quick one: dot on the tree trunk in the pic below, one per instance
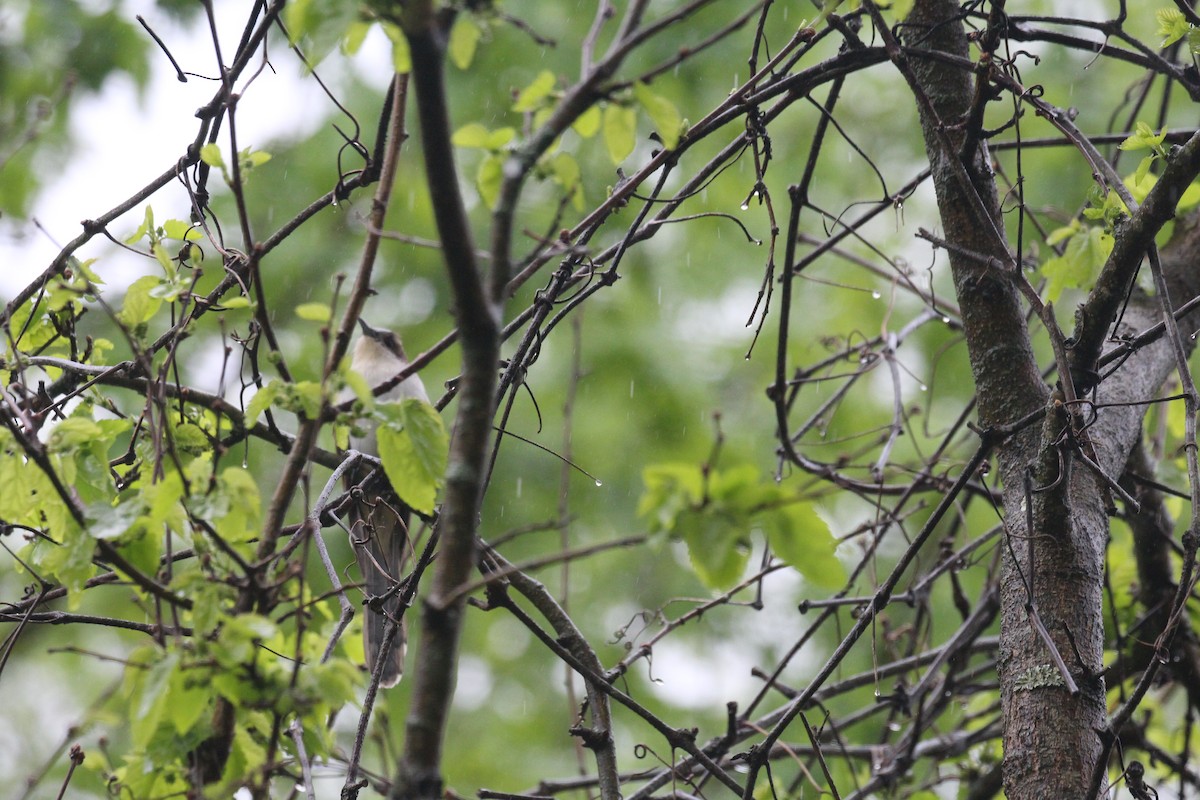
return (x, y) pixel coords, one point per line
(1053, 574)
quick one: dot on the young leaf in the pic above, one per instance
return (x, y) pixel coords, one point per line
(620, 131)
(472, 134)
(211, 154)
(1144, 138)
(313, 312)
(182, 230)
(489, 178)
(531, 96)
(401, 56)
(1079, 264)
(261, 401)
(670, 489)
(413, 448)
(802, 540)
(354, 37)
(1172, 25)
(716, 546)
(587, 124)
(147, 225)
(566, 175)
(662, 112)
(464, 38)
(140, 305)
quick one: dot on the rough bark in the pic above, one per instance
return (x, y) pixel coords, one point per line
(1053, 572)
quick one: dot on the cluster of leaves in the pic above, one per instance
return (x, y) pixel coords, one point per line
(1085, 247)
(714, 512)
(1174, 26)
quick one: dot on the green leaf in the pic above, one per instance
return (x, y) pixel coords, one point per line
(163, 257)
(533, 95)
(261, 401)
(669, 490)
(314, 312)
(354, 37)
(244, 505)
(250, 159)
(1079, 264)
(1172, 25)
(73, 433)
(662, 113)
(151, 699)
(68, 562)
(1144, 138)
(318, 26)
(303, 397)
(717, 547)
(211, 154)
(620, 131)
(900, 8)
(246, 757)
(241, 301)
(182, 230)
(587, 124)
(139, 305)
(1063, 233)
(464, 38)
(489, 179)
(401, 55)
(803, 541)
(190, 702)
(499, 137)
(413, 448)
(147, 225)
(1190, 197)
(190, 439)
(566, 175)
(473, 134)
(1143, 169)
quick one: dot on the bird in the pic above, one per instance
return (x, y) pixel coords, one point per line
(378, 519)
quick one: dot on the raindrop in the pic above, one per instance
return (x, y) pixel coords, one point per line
(598, 482)
(924, 388)
(746, 206)
(893, 726)
(875, 295)
(946, 320)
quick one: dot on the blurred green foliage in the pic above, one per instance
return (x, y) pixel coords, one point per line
(667, 367)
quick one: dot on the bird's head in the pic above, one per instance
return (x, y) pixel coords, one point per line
(374, 338)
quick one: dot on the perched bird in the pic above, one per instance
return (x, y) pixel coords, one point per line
(378, 520)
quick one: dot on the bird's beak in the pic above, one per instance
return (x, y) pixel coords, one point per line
(374, 333)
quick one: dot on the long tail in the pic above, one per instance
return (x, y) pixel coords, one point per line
(380, 540)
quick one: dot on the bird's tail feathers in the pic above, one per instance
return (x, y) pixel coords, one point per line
(381, 549)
